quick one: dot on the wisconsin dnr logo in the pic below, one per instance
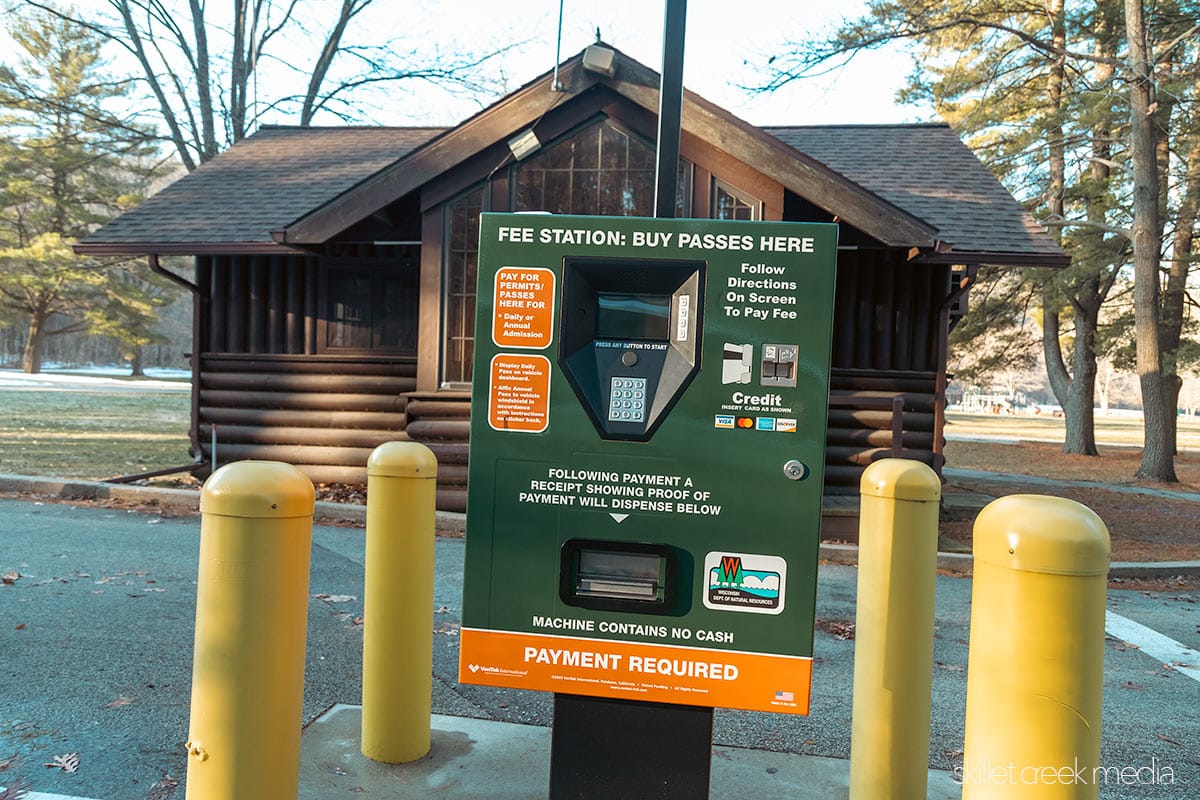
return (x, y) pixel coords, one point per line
(742, 582)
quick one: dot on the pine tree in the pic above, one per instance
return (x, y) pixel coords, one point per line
(1087, 108)
(68, 162)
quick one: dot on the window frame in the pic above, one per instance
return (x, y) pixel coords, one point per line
(483, 189)
(687, 168)
(378, 271)
(720, 185)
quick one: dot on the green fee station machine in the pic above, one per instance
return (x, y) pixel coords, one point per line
(647, 449)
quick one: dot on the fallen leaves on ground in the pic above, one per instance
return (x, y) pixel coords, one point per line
(16, 791)
(162, 789)
(67, 762)
(334, 598)
(837, 629)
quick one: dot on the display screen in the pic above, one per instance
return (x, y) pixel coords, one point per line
(624, 315)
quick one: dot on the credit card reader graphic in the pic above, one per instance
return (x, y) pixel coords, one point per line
(647, 441)
(630, 339)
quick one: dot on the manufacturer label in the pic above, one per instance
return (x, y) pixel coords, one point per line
(742, 582)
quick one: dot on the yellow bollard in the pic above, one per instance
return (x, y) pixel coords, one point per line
(251, 613)
(398, 602)
(893, 636)
(1035, 674)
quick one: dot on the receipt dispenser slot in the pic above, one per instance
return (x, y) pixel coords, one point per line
(618, 576)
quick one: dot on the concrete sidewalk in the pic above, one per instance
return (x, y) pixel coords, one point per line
(96, 630)
(473, 759)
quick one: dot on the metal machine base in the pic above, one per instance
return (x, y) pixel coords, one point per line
(604, 749)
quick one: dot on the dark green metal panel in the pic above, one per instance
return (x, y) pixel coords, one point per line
(733, 469)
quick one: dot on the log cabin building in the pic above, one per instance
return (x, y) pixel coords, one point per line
(334, 285)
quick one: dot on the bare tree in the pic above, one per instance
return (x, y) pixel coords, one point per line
(202, 72)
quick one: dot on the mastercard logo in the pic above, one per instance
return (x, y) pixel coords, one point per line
(745, 422)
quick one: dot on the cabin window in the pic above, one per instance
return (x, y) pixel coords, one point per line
(371, 308)
(601, 169)
(462, 261)
(731, 203)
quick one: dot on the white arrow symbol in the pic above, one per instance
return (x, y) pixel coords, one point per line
(618, 517)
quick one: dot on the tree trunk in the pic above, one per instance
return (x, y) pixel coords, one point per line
(1182, 246)
(1158, 454)
(1074, 393)
(1104, 387)
(1056, 365)
(31, 357)
(1079, 409)
(136, 369)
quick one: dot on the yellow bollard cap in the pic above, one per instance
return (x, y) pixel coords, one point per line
(901, 479)
(1038, 533)
(266, 489)
(402, 460)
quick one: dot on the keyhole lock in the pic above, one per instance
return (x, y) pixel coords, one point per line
(795, 471)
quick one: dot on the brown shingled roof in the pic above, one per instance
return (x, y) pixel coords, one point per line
(257, 186)
(929, 172)
(917, 184)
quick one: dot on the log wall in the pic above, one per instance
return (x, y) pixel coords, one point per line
(442, 422)
(324, 414)
(888, 341)
(861, 425)
(268, 394)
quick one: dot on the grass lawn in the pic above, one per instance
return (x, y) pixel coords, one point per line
(94, 435)
(1114, 431)
(102, 434)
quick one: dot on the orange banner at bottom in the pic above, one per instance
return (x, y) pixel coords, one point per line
(695, 676)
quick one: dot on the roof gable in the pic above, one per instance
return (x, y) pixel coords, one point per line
(795, 170)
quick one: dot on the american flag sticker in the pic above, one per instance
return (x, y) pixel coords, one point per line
(785, 697)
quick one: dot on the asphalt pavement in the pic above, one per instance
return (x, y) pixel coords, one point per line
(97, 610)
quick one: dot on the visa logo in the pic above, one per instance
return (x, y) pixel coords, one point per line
(723, 421)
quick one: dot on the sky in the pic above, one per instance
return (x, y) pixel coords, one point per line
(724, 39)
(725, 42)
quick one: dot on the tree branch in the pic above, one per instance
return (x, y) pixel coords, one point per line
(1054, 221)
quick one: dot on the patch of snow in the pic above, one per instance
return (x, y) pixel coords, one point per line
(95, 378)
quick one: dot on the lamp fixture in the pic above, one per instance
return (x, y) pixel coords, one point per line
(600, 59)
(524, 144)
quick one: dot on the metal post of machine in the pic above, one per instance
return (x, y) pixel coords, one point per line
(893, 637)
(398, 602)
(600, 746)
(1036, 665)
(251, 611)
(670, 110)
